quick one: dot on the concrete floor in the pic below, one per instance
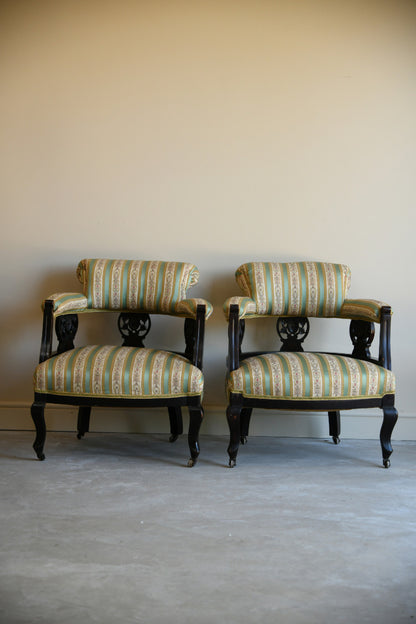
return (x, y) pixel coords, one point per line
(115, 529)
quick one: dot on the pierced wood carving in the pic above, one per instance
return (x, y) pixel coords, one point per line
(362, 335)
(292, 332)
(133, 328)
(65, 328)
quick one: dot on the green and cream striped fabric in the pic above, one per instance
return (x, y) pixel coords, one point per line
(294, 288)
(120, 372)
(65, 303)
(246, 307)
(187, 307)
(306, 376)
(363, 309)
(146, 286)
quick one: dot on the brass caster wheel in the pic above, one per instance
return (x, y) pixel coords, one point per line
(243, 439)
(386, 463)
(232, 463)
(336, 439)
(173, 437)
(191, 463)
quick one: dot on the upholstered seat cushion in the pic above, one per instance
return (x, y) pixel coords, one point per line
(120, 372)
(309, 376)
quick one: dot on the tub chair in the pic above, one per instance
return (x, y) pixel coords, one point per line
(129, 375)
(294, 379)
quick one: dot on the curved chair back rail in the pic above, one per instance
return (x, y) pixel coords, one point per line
(144, 285)
(149, 286)
(295, 288)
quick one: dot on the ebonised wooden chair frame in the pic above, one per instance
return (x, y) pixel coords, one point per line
(292, 332)
(134, 327)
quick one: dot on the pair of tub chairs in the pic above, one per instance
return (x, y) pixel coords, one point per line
(132, 375)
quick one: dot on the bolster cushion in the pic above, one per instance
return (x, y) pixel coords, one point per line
(120, 372)
(295, 288)
(139, 285)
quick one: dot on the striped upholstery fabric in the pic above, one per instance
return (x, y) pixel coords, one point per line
(144, 286)
(65, 303)
(295, 288)
(362, 309)
(188, 307)
(306, 376)
(121, 372)
(246, 306)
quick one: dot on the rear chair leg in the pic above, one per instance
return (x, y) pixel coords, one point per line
(334, 425)
(389, 420)
(196, 414)
(245, 424)
(38, 415)
(83, 424)
(176, 424)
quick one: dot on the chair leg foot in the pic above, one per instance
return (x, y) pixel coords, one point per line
(389, 420)
(38, 417)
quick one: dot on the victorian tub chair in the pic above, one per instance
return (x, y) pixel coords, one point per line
(292, 379)
(129, 375)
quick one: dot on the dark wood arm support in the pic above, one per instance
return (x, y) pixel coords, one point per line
(46, 342)
(385, 348)
(233, 339)
(199, 336)
(194, 336)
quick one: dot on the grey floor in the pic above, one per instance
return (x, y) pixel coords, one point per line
(115, 528)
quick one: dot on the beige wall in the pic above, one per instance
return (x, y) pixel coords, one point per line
(214, 132)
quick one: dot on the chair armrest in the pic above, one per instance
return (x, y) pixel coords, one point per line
(363, 310)
(246, 307)
(68, 303)
(188, 308)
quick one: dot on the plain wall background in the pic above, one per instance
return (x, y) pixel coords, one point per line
(214, 132)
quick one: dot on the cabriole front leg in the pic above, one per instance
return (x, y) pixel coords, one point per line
(196, 415)
(233, 418)
(389, 420)
(38, 415)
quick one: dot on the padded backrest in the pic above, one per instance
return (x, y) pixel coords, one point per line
(140, 285)
(295, 288)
